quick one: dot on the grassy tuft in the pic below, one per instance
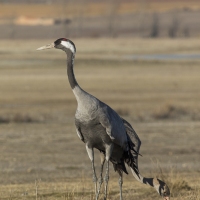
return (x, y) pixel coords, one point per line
(170, 111)
(18, 118)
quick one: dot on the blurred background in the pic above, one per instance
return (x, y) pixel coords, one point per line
(140, 57)
(94, 18)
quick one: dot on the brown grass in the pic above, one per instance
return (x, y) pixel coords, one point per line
(34, 85)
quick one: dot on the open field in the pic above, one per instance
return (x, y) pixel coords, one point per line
(39, 147)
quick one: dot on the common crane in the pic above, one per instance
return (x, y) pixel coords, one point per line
(100, 127)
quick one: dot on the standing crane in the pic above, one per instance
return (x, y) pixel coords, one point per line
(100, 127)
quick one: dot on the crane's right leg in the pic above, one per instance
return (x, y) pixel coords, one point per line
(109, 148)
(91, 156)
(102, 156)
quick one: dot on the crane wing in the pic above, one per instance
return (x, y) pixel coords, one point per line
(132, 136)
(114, 126)
(78, 131)
(134, 147)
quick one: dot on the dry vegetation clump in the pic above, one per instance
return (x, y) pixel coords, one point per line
(177, 184)
(170, 111)
(18, 118)
(3, 120)
(180, 187)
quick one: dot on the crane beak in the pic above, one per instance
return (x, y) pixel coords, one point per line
(48, 46)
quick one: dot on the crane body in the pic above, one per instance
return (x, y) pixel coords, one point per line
(100, 127)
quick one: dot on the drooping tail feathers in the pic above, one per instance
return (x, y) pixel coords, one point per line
(130, 160)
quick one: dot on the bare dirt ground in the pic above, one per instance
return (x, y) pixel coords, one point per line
(41, 155)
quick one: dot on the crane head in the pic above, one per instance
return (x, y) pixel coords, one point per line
(162, 188)
(61, 43)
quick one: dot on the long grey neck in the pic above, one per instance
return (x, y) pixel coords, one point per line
(70, 70)
(79, 93)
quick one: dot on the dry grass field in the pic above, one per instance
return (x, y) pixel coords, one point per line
(41, 155)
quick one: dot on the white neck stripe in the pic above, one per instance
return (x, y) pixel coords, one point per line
(68, 45)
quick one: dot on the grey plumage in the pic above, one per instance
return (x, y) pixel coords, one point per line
(100, 127)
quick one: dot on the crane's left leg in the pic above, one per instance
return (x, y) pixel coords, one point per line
(109, 149)
(91, 156)
(120, 183)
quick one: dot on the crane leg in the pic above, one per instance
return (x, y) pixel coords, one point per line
(101, 174)
(106, 178)
(94, 179)
(120, 183)
(91, 156)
